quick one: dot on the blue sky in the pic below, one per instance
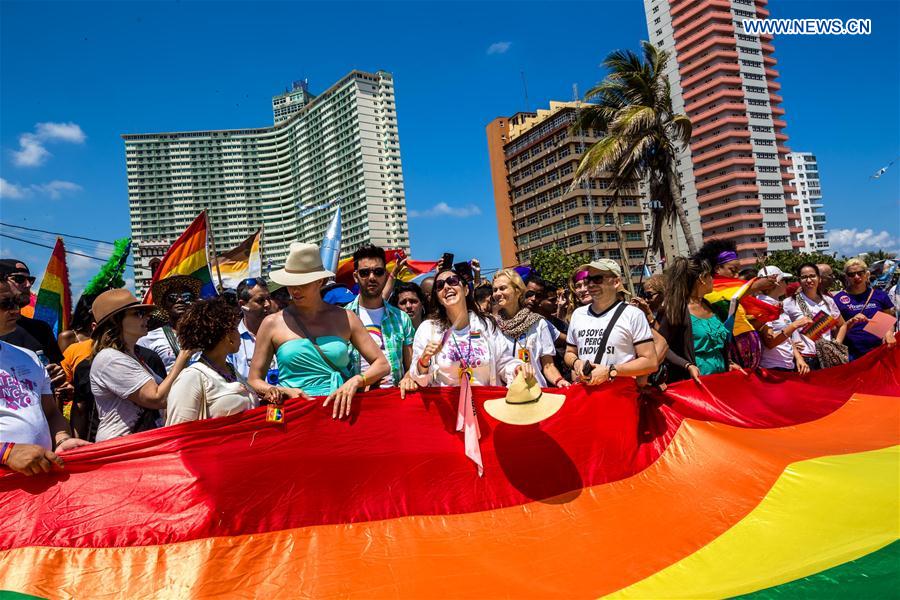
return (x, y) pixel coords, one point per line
(93, 71)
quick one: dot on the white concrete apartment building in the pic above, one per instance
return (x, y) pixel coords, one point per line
(734, 175)
(341, 146)
(809, 195)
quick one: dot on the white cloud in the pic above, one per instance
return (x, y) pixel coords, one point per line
(499, 47)
(11, 190)
(32, 153)
(60, 132)
(442, 209)
(56, 188)
(852, 242)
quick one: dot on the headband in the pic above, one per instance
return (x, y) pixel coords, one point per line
(580, 275)
(726, 257)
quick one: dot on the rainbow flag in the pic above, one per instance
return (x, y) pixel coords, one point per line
(413, 268)
(187, 256)
(732, 304)
(54, 299)
(773, 484)
(240, 263)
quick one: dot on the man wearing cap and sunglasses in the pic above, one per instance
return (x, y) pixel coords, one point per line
(29, 333)
(173, 295)
(608, 337)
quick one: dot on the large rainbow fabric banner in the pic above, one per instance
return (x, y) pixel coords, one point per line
(54, 300)
(730, 301)
(413, 268)
(188, 256)
(764, 484)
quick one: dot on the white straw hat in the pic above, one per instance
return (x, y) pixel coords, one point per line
(303, 265)
(525, 403)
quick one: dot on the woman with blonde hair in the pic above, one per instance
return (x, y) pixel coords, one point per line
(528, 333)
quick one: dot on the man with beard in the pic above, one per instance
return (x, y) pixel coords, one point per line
(389, 327)
(256, 304)
(173, 295)
(30, 334)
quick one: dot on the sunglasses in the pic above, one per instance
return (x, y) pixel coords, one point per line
(855, 274)
(20, 279)
(531, 294)
(185, 297)
(9, 304)
(453, 280)
(651, 295)
(377, 272)
(597, 279)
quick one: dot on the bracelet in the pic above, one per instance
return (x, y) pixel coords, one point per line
(365, 382)
(556, 383)
(424, 364)
(5, 451)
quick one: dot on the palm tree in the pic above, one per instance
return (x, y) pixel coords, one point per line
(642, 134)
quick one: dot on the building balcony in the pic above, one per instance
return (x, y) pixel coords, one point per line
(723, 164)
(724, 222)
(729, 134)
(722, 29)
(735, 189)
(719, 124)
(711, 183)
(719, 8)
(724, 207)
(700, 159)
(720, 81)
(724, 43)
(738, 233)
(751, 246)
(688, 67)
(699, 104)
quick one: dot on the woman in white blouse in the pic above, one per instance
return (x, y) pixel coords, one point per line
(808, 302)
(527, 333)
(458, 339)
(210, 387)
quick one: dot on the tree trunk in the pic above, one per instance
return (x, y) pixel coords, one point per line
(675, 188)
(620, 236)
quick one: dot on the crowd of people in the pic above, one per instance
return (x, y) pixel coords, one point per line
(127, 366)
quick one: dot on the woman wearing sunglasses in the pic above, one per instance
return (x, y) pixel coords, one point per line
(859, 302)
(460, 342)
(528, 333)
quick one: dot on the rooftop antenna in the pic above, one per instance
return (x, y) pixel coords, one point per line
(525, 88)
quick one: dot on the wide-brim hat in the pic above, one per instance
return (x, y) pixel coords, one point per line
(112, 302)
(303, 265)
(525, 403)
(160, 288)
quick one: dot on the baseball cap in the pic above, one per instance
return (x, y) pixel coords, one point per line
(12, 265)
(603, 264)
(773, 271)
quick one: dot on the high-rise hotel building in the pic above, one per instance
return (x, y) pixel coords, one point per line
(808, 194)
(735, 174)
(533, 158)
(339, 147)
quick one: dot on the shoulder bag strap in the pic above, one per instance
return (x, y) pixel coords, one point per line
(804, 308)
(315, 345)
(173, 341)
(866, 303)
(607, 332)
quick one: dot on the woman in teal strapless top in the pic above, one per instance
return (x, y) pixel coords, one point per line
(301, 366)
(304, 369)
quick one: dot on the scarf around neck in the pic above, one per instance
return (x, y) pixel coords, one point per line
(517, 325)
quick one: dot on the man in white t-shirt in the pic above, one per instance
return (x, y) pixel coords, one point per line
(30, 422)
(628, 350)
(389, 327)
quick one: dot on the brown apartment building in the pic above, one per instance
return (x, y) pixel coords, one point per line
(533, 159)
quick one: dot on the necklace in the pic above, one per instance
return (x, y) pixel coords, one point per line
(465, 365)
(230, 377)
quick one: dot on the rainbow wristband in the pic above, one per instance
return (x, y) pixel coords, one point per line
(5, 451)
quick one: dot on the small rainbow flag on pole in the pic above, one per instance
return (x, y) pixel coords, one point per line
(54, 299)
(240, 263)
(187, 256)
(735, 307)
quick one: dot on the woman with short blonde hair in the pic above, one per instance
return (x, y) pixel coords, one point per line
(528, 334)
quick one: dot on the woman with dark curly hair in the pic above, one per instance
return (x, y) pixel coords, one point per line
(210, 387)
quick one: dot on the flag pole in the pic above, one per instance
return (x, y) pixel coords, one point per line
(212, 244)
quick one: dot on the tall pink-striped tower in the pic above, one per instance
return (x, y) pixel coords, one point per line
(735, 174)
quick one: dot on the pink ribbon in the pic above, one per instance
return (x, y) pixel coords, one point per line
(467, 422)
